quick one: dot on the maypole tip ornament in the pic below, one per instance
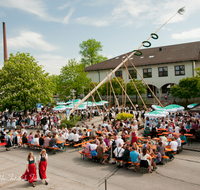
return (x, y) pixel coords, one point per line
(181, 10)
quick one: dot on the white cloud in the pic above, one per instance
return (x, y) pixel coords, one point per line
(64, 6)
(191, 34)
(52, 63)
(137, 12)
(36, 7)
(91, 21)
(66, 19)
(30, 39)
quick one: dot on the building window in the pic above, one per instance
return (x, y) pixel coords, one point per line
(147, 73)
(162, 71)
(118, 74)
(133, 74)
(179, 70)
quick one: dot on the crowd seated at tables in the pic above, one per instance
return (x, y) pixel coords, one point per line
(120, 139)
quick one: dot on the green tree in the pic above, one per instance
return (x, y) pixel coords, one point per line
(72, 76)
(55, 79)
(90, 87)
(131, 88)
(186, 89)
(117, 88)
(24, 83)
(197, 71)
(90, 52)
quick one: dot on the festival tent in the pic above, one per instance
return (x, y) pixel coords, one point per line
(174, 108)
(155, 114)
(156, 107)
(99, 103)
(191, 105)
(75, 101)
(81, 107)
(59, 108)
(70, 106)
(87, 102)
(104, 102)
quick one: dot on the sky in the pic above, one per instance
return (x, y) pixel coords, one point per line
(51, 30)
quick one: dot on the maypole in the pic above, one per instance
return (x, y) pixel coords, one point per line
(135, 52)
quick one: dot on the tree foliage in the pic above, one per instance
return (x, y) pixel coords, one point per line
(74, 77)
(186, 89)
(90, 87)
(24, 83)
(117, 88)
(89, 51)
(140, 86)
(55, 79)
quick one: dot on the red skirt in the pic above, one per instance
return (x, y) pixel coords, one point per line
(42, 169)
(30, 176)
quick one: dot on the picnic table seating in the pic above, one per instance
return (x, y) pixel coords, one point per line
(54, 149)
(165, 159)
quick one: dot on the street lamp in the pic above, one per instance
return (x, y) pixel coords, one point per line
(73, 94)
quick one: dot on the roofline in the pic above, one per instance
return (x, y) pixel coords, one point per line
(143, 65)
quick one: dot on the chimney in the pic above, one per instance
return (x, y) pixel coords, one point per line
(5, 42)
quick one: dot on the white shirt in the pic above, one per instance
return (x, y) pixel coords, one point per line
(118, 151)
(170, 135)
(45, 127)
(66, 135)
(174, 145)
(71, 136)
(93, 146)
(118, 141)
(144, 157)
(32, 160)
(109, 127)
(76, 137)
(35, 141)
(179, 142)
(177, 129)
(134, 127)
(40, 156)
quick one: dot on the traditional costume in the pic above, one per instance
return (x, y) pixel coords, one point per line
(42, 166)
(30, 176)
(133, 137)
(8, 141)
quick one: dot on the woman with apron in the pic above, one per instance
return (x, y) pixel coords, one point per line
(42, 165)
(30, 173)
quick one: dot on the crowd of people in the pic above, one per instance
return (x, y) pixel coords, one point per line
(112, 139)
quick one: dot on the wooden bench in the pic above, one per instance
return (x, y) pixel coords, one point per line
(83, 154)
(165, 159)
(54, 149)
(190, 140)
(135, 165)
(66, 145)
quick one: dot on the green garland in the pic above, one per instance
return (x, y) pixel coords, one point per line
(148, 45)
(139, 52)
(154, 36)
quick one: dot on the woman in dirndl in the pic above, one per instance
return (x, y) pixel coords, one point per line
(133, 136)
(30, 173)
(8, 141)
(42, 165)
